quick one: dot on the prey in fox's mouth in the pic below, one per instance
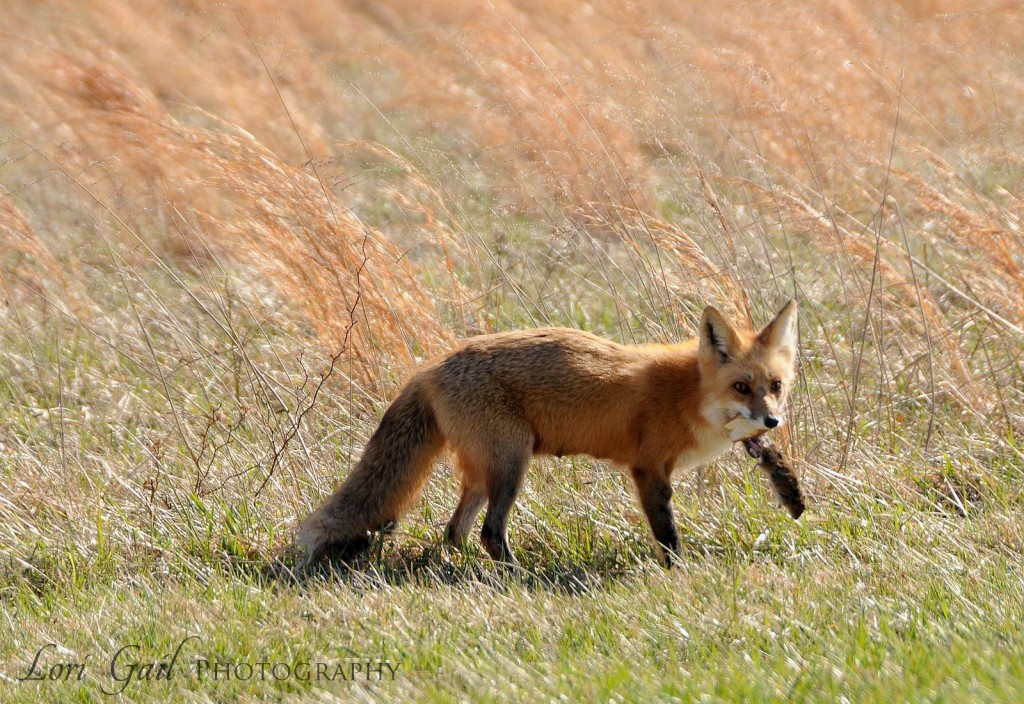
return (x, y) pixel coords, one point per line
(779, 471)
(754, 447)
(776, 467)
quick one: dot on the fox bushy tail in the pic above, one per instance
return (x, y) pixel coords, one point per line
(394, 467)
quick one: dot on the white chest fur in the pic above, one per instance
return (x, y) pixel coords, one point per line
(709, 446)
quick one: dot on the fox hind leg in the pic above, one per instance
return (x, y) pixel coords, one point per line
(472, 500)
(504, 480)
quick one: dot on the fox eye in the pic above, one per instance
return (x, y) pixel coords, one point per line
(742, 387)
(776, 386)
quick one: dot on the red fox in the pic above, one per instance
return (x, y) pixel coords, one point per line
(499, 399)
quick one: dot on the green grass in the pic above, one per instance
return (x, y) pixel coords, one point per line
(853, 604)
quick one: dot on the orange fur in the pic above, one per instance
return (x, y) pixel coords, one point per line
(499, 399)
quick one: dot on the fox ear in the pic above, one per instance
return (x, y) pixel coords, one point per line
(718, 341)
(780, 334)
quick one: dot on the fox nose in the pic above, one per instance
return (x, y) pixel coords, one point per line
(770, 422)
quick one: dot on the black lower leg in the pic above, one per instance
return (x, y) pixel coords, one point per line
(495, 542)
(500, 497)
(465, 513)
(655, 495)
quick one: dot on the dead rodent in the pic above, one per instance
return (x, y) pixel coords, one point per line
(776, 467)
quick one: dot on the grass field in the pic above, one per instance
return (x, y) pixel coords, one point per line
(227, 236)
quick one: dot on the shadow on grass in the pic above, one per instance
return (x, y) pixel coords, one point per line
(538, 567)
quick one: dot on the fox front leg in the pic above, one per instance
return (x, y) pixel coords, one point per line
(655, 493)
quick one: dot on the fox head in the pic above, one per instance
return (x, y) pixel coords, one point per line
(745, 374)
